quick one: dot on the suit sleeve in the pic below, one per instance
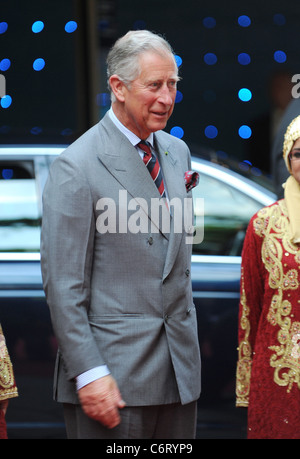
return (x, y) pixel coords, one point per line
(66, 258)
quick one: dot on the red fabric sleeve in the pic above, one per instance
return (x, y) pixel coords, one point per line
(251, 302)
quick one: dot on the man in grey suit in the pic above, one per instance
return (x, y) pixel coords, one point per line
(116, 268)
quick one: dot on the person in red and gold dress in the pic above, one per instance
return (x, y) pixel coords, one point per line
(268, 368)
(8, 387)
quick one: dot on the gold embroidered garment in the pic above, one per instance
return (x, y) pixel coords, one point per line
(8, 387)
(268, 366)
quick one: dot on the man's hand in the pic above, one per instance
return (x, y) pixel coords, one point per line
(101, 401)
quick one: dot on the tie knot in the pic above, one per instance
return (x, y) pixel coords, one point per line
(145, 146)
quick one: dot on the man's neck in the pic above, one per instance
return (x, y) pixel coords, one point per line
(132, 136)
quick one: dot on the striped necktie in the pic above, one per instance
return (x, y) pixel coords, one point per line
(153, 167)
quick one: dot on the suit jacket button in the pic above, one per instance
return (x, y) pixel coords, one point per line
(187, 272)
(150, 240)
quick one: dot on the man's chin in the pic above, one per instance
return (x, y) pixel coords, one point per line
(158, 125)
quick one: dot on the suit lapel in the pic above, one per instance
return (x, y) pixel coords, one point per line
(171, 169)
(174, 182)
(122, 160)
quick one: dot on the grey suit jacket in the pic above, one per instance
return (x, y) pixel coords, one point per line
(120, 298)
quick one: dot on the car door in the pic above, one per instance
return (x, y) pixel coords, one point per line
(24, 314)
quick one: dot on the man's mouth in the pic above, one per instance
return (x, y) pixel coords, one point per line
(161, 114)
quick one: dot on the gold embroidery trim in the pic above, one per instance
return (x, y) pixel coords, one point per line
(7, 380)
(243, 372)
(286, 354)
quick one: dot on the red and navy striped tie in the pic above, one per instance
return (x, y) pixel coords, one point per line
(153, 166)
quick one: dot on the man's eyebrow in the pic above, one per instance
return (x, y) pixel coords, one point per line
(156, 80)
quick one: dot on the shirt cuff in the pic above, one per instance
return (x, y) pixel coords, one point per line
(91, 375)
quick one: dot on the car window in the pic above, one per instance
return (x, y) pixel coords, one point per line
(19, 210)
(227, 212)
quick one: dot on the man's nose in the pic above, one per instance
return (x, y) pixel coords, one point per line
(165, 96)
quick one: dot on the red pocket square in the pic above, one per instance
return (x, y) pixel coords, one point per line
(191, 179)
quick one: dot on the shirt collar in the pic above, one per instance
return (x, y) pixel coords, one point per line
(134, 139)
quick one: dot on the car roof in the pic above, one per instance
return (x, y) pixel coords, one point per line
(209, 167)
(234, 179)
(29, 151)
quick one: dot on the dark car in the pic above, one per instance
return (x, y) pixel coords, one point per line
(224, 203)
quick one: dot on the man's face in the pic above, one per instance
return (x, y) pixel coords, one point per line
(149, 101)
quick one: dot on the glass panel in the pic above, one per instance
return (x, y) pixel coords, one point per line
(227, 212)
(19, 210)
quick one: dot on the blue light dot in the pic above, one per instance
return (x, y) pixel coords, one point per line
(280, 56)
(178, 60)
(256, 171)
(66, 132)
(209, 22)
(38, 64)
(245, 132)
(211, 132)
(36, 130)
(177, 131)
(210, 58)
(37, 26)
(4, 64)
(245, 165)
(244, 59)
(103, 99)
(7, 174)
(70, 26)
(179, 97)
(244, 21)
(6, 101)
(279, 19)
(3, 27)
(245, 95)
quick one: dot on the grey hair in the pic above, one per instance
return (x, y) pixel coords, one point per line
(123, 58)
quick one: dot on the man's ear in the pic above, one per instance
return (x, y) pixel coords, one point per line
(118, 87)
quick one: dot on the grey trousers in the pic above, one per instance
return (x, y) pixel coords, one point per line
(174, 421)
